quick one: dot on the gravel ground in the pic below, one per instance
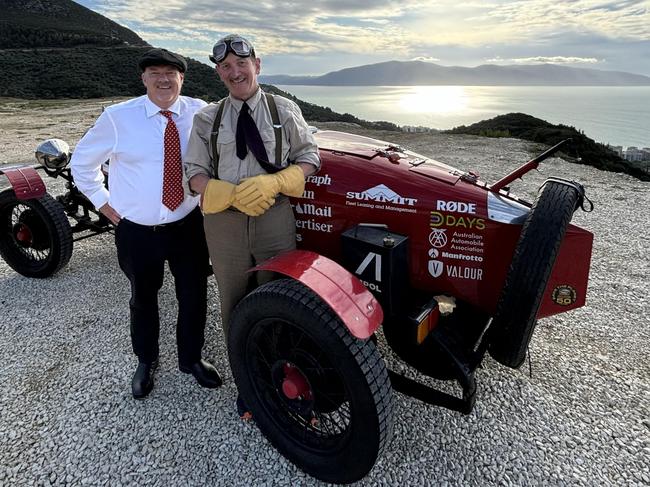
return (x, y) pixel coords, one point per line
(67, 416)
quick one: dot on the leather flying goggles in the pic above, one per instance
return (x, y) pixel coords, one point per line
(237, 45)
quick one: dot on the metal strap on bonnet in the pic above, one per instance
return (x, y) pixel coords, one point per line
(277, 130)
(580, 189)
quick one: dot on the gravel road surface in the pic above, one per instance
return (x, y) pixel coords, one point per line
(67, 416)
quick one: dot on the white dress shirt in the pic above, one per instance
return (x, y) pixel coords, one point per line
(131, 136)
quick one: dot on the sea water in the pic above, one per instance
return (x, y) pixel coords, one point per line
(613, 115)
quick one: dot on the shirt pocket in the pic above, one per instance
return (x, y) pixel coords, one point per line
(225, 141)
(268, 137)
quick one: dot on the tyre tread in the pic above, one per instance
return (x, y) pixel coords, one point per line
(531, 267)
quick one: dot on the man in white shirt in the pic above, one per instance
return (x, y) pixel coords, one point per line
(156, 221)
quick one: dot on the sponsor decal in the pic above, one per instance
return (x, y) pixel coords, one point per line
(307, 195)
(462, 272)
(456, 207)
(442, 219)
(564, 295)
(381, 194)
(438, 237)
(298, 237)
(366, 262)
(311, 209)
(435, 268)
(319, 180)
(314, 226)
(473, 258)
(467, 242)
(464, 246)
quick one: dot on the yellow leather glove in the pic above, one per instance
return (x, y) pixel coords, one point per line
(256, 208)
(218, 196)
(289, 181)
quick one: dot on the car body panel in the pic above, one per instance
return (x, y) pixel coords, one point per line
(340, 289)
(457, 244)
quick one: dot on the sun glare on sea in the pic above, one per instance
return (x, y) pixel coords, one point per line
(434, 99)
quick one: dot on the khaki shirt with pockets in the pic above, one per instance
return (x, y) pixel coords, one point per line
(298, 144)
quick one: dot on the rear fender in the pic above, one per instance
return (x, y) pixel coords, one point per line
(25, 182)
(341, 290)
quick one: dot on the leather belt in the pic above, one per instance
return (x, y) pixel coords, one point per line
(161, 226)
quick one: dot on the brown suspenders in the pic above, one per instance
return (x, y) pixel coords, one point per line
(277, 129)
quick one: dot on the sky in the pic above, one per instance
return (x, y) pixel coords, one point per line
(307, 37)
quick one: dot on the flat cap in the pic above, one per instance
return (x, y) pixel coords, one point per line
(159, 56)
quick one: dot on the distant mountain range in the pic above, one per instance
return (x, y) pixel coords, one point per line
(418, 73)
(60, 49)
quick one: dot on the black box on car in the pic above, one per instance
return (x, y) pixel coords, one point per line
(379, 258)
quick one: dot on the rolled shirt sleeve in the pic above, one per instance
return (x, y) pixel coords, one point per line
(197, 158)
(301, 140)
(94, 148)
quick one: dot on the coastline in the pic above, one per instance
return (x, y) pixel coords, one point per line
(614, 115)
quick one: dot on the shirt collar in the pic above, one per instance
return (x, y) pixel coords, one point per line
(251, 102)
(153, 109)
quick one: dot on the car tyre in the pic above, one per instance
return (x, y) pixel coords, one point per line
(36, 237)
(341, 420)
(541, 236)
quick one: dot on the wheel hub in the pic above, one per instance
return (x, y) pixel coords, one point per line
(23, 235)
(294, 384)
(30, 231)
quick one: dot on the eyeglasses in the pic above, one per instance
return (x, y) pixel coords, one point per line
(237, 45)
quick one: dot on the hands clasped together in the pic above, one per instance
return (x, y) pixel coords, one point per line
(253, 196)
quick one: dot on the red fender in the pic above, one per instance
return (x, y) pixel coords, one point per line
(25, 181)
(340, 289)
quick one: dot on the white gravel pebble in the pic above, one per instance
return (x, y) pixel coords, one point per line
(67, 416)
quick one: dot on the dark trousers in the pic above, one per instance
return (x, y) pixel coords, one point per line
(142, 251)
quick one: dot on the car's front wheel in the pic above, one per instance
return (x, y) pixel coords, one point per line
(320, 395)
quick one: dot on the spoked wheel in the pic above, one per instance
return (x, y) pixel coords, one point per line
(35, 235)
(321, 396)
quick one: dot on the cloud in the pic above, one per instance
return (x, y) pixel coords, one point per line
(368, 31)
(546, 60)
(426, 59)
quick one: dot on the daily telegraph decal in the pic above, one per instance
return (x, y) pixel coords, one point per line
(381, 197)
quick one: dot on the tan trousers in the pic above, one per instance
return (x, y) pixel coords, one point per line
(238, 242)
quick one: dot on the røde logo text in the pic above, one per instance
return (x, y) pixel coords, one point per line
(456, 207)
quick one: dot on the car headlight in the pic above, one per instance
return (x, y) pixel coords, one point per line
(54, 154)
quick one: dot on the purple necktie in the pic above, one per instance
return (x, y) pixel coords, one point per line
(248, 136)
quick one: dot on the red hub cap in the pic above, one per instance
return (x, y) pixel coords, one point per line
(294, 384)
(24, 235)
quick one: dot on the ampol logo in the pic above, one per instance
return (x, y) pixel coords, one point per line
(381, 194)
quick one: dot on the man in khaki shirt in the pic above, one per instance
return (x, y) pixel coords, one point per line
(248, 218)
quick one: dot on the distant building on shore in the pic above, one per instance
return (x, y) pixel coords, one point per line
(418, 128)
(632, 154)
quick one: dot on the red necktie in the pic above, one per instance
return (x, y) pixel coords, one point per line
(173, 194)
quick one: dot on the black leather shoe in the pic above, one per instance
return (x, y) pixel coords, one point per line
(142, 381)
(204, 373)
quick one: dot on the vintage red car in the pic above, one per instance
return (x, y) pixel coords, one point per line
(446, 266)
